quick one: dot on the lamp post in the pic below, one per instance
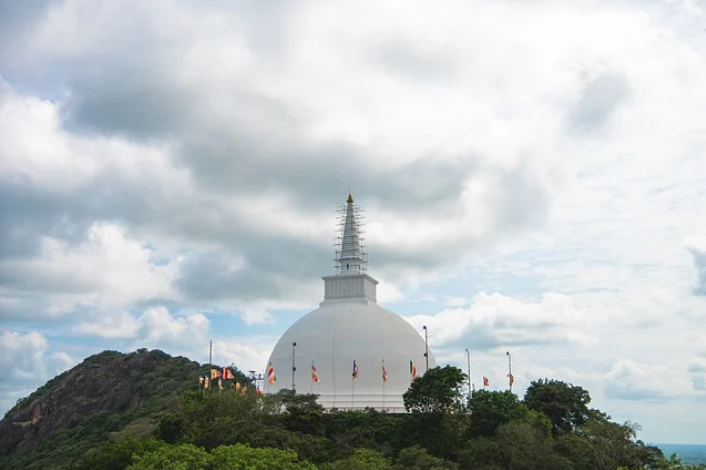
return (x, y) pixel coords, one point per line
(294, 367)
(470, 386)
(426, 346)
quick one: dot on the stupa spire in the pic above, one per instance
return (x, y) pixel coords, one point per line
(351, 258)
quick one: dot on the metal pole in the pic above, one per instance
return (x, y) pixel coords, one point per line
(383, 384)
(426, 346)
(294, 366)
(210, 352)
(509, 369)
(470, 387)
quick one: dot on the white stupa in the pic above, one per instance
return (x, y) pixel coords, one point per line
(349, 326)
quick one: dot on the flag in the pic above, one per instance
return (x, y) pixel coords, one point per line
(215, 373)
(355, 369)
(314, 374)
(200, 379)
(206, 382)
(259, 392)
(237, 386)
(271, 378)
(227, 374)
(220, 383)
(413, 370)
(486, 382)
(244, 390)
(384, 373)
(512, 379)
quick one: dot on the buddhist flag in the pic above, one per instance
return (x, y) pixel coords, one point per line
(227, 374)
(215, 373)
(512, 379)
(220, 383)
(384, 372)
(355, 369)
(206, 382)
(271, 378)
(486, 382)
(244, 390)
(413, 371)
(200, 380)
(314, 374)
(237, 386)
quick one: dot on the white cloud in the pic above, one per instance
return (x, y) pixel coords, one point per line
(109, 269)
(494, 320)
(26, 362)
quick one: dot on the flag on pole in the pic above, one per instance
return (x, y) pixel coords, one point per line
(237, 386)
(413, 371)
(384, 372)
(220, 383)
(314, 374)
(486, 382)
(271, 378)
(227, 374)
(206, 382)
(215, 373)
(512, 379)
(355, 369)
(201, 380)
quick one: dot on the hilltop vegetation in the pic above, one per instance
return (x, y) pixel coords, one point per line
(117, 425)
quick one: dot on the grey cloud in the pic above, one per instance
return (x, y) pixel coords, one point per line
(624, 389)
(698, 382)
(408, 61)
(249, 145)
(599, 100)
(700, 264)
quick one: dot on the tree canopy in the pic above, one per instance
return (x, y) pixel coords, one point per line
(566, 405)
(437, 391)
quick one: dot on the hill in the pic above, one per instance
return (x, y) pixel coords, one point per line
(108, 393)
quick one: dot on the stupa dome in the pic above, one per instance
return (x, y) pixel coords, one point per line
(349, 334)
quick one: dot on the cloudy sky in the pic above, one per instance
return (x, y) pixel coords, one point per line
(533, 175)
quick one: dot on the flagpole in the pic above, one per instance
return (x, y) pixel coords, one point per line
(353, 387)
(312, 377)
(383, 385)
(509, 369)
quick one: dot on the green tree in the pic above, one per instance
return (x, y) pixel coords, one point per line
(244, 457)
(437, 391)
(417, 458)
(492, 409)
(362, 459)
(565, 404)
(182, 457)
(118, 455)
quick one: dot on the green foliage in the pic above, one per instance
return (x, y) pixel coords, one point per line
(243, 457)
(491, 409)
(182, 457)
(124, 417)
(437, 391)
(236, 457)
(118, 455)
(362, 459)
(566, 405)
(416, 458)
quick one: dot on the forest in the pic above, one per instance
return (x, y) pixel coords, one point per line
(552, 427)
